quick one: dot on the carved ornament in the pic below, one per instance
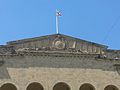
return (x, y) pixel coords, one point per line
(59, 43)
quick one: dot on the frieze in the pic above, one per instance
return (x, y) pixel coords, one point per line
(58, 43)
(49, 53)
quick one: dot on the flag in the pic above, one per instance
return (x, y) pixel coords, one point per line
(58, 13)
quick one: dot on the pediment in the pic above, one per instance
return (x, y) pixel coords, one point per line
(58, 42)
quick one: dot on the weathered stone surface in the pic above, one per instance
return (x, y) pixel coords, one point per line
(58, 42)
(58, 58)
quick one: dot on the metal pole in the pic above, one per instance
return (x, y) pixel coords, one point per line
(57, 27)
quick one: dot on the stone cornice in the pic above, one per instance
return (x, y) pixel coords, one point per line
(57, 54)
(50, 53)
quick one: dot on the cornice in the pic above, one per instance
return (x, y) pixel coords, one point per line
(50, 54)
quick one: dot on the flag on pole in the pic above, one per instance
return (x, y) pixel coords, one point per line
(58, 13)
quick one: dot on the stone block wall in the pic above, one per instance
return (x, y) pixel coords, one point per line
(50, 70)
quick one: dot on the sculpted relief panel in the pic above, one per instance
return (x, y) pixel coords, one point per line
(57, 43)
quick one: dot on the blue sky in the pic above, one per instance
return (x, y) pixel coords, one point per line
(92, 20)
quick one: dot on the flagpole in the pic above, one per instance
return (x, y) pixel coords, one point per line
(57, 27)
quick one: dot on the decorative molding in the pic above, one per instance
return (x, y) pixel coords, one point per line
(49, 53)
(59, 43)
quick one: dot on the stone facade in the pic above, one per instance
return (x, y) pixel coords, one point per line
(58, 62)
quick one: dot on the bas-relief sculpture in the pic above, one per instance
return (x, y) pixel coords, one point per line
(56, 42)
(46, 57)
(59, 42)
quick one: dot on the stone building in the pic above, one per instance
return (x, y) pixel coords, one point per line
(58, 62)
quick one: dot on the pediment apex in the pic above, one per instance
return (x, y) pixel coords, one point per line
(54, 37)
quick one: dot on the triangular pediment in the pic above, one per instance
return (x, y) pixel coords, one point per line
(58, 42)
